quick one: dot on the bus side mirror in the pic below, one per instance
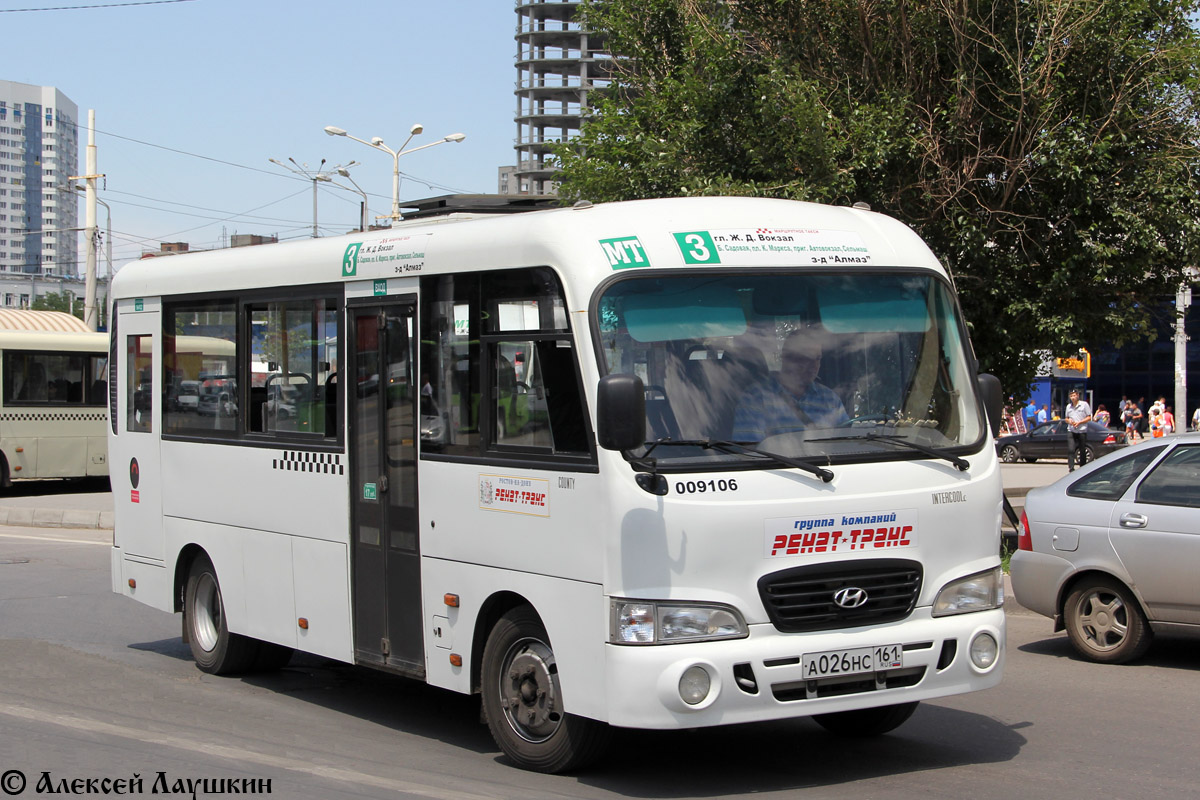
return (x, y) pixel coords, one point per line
(621, 412)
(993, 400)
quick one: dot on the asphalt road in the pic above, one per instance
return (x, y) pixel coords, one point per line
(95, 686)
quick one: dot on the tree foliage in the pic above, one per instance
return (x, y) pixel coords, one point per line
(56, 301)
(1046, 149)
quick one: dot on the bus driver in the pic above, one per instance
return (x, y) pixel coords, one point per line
(791, 399)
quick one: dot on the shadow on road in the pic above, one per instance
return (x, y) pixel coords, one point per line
(761, 757)
(1166, 652)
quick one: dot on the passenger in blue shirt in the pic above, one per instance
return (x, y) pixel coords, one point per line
(791, 399)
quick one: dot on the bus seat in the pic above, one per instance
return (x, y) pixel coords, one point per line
(660, 418)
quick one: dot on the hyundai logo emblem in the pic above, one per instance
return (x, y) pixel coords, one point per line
(850, 597)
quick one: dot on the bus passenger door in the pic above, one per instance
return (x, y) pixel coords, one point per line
(136, 471)
(383, 394)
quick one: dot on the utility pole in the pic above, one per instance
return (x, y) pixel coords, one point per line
(91, 232)
(1183, 299)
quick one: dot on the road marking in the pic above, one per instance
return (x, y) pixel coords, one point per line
(240, 754)
(52, 539)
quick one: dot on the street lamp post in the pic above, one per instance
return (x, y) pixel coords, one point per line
(318, 175)
(345, 173)
(377, 143)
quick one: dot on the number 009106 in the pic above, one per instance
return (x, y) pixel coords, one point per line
(700, 487)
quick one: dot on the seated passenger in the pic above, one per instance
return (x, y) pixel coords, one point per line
(792, 399)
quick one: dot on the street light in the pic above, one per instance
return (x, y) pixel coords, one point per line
(377, 143)
(345, 173)
(316, 176)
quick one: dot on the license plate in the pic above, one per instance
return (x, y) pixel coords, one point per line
(852, 662)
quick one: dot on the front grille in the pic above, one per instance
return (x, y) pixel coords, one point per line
(801, 599)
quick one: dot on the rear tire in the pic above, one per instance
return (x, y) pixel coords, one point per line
(215, 649)
(866, 722)
(1105, 623)
(523, 701)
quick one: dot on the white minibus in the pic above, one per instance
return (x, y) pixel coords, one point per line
(53, 399)
(660, 464)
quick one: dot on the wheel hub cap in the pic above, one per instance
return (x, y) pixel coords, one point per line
(529, 691)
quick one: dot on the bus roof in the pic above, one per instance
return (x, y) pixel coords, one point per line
(26, 320)
(55, 341)
(589, 242)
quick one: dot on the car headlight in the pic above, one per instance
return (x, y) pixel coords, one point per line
(650, 622)
(978, 592)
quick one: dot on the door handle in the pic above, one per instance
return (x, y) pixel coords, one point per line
(1133, 521)
(383, 483)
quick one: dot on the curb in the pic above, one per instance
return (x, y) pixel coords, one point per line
(56, 518)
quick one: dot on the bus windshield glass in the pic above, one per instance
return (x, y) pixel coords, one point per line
(835, 367)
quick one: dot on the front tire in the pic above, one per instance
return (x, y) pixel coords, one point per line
(523, 701)
(1105, 623)
(215, 649)
(866, 722)
(1009, 454)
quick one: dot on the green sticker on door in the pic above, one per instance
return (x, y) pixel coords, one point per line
(369, 492)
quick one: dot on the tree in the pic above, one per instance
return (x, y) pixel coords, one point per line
(1047, 150)
(55, 301)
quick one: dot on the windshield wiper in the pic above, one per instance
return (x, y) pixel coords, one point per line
(890, 438)
(732, 447)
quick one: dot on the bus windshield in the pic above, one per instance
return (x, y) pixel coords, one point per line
(835, 367)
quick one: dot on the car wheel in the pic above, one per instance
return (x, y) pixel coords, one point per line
(1009, 454)
(1105, 623)
(1091, 453)
(866, 722)
(523, 701)
(215, 649)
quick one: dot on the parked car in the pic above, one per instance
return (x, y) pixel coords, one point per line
(1049, 440)
(1110, 552)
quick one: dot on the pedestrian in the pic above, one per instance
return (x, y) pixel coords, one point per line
(1079, 414)
(1043, 416)
(1128, 423)
(1196, 419)
(1102, 416)
(1168, 421)
(1140, 417)
(1030, 415)
(1154, 418)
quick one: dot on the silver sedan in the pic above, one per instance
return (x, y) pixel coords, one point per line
(1111, 552)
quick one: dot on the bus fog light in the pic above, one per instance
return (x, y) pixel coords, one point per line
(694, 685)
(984, 650)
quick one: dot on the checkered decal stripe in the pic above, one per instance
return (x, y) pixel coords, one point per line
(55, 416)
(325, 463)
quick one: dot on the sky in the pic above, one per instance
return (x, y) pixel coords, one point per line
(193, 97)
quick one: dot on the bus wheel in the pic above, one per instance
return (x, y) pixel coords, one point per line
(523, 701)
(215, 649)
(866, 721)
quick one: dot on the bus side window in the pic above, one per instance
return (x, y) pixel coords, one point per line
(140, 412)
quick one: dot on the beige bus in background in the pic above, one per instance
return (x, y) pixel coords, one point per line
(53, 397)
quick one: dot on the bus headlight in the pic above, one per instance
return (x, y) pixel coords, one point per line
(978, 592)
(650, 622)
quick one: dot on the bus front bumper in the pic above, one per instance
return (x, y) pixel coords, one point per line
(762, 677)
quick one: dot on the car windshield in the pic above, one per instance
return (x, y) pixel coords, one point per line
(834, 367)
